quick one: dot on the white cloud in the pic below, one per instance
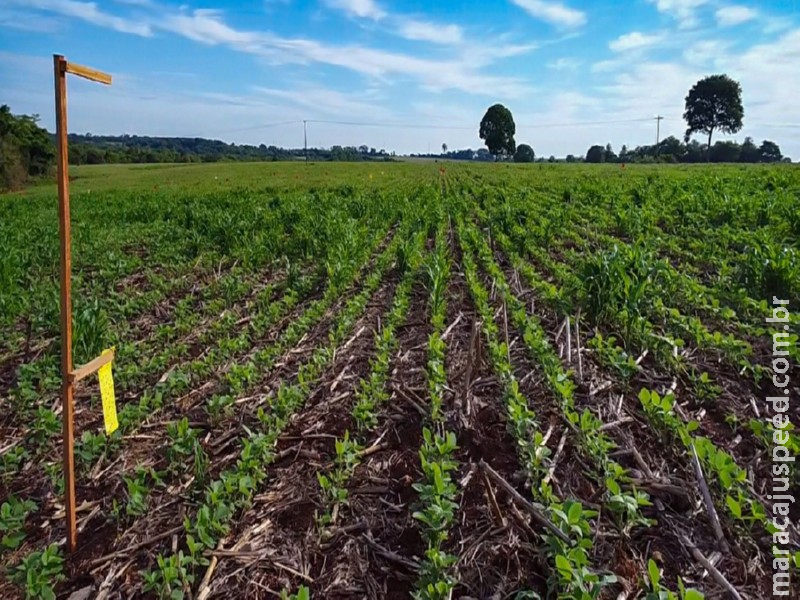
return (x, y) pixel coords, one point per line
(207, 27)
(554, 13)
(770, 86)
(88, 11)
(464, 75)
(634, 41)
(483, 54)
(607, 66)
(366, 9)
(564, 64)
(425, 31)
(767, 73)
(330, 102)
(706, 52)
(631, 91)
(682, 10)
(400, 25)
(140, 3)
(728, 16)
(25, 21)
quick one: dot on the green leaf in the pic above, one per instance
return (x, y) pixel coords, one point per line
(734, 506)
(654, 573)
(575, 512)
(13, 540)
(564, 567)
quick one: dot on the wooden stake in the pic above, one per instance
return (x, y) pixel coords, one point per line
(60, 70)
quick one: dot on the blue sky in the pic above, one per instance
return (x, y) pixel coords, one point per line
(412, 74)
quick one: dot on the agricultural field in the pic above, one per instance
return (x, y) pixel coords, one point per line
(395, 380)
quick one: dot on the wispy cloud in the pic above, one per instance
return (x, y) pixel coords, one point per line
(706, 52)
(426, 31)
(564, 64)
(554, 13)
(141, 3)
(405, 26)
(480, 55)
(684, 11)
(89, 12)
(25, 21)
(328, 101)
(464, 70)
(366, 9)
(208, 27)
(634, 41)
(728, 16)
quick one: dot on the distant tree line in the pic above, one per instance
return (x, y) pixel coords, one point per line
(669, 150)
(672, 150)
(94, 149)
(26, 150)
(714, 104)
(480, 155)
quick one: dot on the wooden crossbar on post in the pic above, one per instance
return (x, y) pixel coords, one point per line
(91, 367)
(61, 67)
(89, 73)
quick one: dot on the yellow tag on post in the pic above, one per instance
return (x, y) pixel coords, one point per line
(107, 396)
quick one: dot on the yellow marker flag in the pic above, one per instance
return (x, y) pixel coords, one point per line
(107, 396)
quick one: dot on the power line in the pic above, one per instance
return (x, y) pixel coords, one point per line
(756, 124)
(775, 125)
(585, 123)
(465, 128)
(374, 124)
(402, 125)
(262, 126)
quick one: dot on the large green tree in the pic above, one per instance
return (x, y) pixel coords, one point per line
(714, 104)
(749, 153)
(596, 154)
(770, 152)
(524, 154)
(26, 149)
(497, 131)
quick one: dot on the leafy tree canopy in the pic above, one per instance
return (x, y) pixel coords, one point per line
(596, 154)
(714, 104)
(26, 149)
(524, 154)
(770, 152)
(497, 131)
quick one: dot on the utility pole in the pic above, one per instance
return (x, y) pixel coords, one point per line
(305, 140)
(659, 118)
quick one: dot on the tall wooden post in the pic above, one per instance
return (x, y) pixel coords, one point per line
(60, 68)
(67, 387)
